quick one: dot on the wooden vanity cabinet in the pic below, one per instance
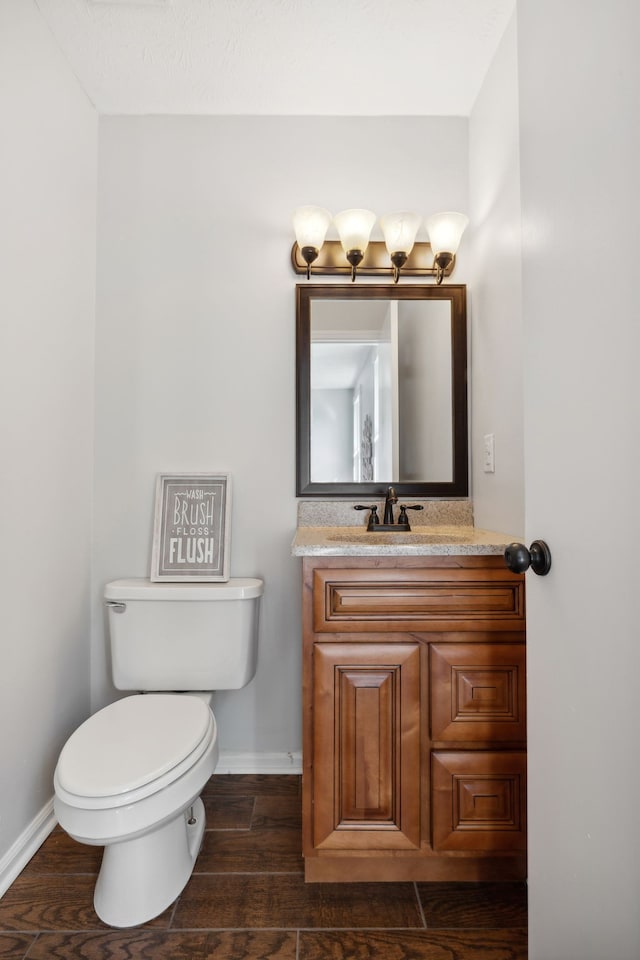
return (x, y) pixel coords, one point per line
(414, 756)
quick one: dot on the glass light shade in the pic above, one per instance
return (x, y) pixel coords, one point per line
(399, 230)
(445, 231)
(311, 225)
(354, 228)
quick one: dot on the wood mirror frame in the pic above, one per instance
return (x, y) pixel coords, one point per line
(458, 486)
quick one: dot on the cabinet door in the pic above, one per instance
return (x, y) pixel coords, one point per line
(366, 781)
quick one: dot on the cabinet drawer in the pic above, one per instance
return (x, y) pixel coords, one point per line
(417, 599)
(479, 800)
(478, 691)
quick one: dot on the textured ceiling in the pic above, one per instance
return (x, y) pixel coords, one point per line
(326, 57)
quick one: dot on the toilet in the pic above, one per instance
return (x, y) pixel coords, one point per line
(130, 777)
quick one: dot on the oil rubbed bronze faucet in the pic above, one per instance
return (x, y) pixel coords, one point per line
(388, 525)
(388, 506)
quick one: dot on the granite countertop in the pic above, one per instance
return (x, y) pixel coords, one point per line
(327, 529)
(421, 541)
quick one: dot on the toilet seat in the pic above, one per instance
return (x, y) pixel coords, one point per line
(132, 749)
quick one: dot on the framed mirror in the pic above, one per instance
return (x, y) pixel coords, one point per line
(381, 390)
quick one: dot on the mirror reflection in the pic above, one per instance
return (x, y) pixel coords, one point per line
(382, 390)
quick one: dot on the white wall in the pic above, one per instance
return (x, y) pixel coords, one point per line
(196, 341)
(495, 293)
(47, 255)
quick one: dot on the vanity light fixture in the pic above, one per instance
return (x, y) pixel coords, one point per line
(354, 229)
(399, 230)
(310, 225)
(355, 253)
(445, 232)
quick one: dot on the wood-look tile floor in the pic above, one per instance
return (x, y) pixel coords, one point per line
(247, 900)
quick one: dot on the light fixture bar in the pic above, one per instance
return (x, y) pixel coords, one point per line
(375, 263)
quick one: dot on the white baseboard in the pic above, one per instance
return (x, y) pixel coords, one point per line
(274, 763)
(18, 855)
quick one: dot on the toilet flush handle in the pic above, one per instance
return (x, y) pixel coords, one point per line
(116, 606)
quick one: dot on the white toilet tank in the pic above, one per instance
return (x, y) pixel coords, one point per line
(183, 636)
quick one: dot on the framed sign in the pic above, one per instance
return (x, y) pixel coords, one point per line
(191, 527)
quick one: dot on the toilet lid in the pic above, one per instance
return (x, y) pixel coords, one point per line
(132, 742)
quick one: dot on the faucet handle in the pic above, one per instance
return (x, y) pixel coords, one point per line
(403, 519)
(373, 516)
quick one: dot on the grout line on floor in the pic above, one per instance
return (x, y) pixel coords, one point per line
(227, 830)
(247, 873)
(298, 929)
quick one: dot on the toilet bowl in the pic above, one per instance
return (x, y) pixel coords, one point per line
(130, 778)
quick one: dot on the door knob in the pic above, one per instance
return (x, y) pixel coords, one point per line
(538, 557)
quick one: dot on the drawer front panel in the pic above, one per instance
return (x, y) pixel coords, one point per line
(478, 691)
(432, 599)
(479, 800)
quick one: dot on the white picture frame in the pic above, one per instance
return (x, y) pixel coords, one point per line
(192, 527)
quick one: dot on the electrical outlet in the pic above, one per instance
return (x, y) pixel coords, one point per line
(489, 465)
